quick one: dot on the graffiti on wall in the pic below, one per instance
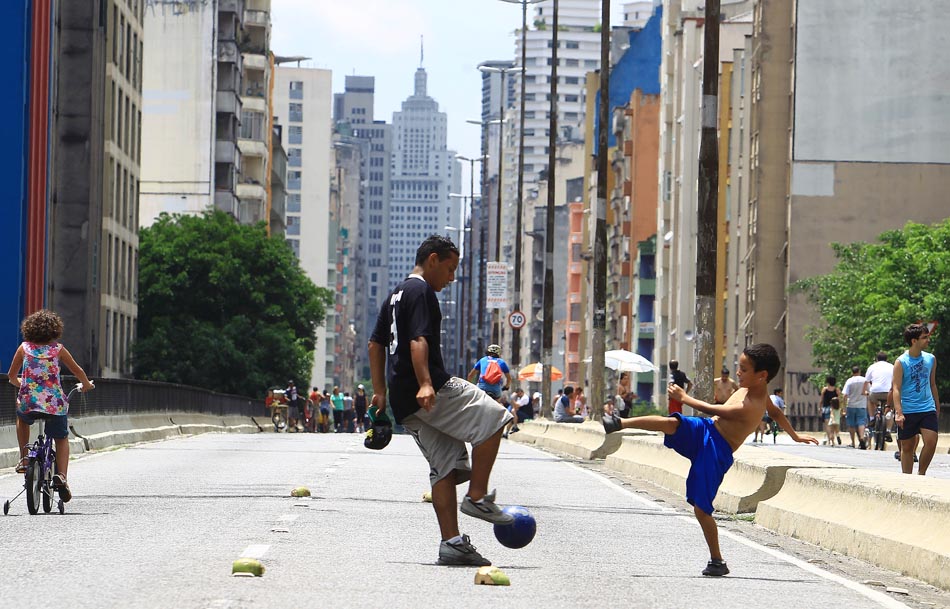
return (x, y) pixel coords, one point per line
(802, 398)
(175, 7)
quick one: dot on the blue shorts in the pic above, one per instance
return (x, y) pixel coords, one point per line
(857, 417)
(56, 425)
(710, 456)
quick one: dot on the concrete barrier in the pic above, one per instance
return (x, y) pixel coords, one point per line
(896, 521)
(102, 432)
(193, 423)
(585, 440)
(757, 474)
(10, 453)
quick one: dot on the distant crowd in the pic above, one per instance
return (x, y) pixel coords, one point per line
(318, 411)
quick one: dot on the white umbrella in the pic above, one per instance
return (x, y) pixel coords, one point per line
(627, 361)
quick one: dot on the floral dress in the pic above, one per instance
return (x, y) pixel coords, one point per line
(40, 389)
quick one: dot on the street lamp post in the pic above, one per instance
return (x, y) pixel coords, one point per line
(466, 286)
(477, 318)
(516, 332)
(548, 312)
(496, 324)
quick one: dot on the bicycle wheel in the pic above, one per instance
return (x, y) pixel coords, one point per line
(33, 487)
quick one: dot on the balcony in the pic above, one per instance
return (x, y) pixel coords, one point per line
(255, 60)
(228, 52)
(226, 151)
(227, 102)
(251, 192)
(252, 148)
(231, 6)
(256, 18)
(226, 202)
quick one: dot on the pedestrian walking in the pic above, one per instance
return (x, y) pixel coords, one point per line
(491, 373)
(915, 399)
(441, 412)
(856, 406)
(828, 392)
(360, 404)
(723, 387)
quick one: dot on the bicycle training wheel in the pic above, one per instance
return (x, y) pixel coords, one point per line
(47, 490)
(34, 487)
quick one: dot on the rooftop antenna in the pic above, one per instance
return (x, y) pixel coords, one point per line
(422, 51)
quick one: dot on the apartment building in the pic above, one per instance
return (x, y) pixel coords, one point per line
(302, 103)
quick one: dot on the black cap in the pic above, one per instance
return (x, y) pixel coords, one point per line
(379, 435)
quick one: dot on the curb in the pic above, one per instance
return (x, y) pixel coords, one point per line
(892, 520)
(586, 440)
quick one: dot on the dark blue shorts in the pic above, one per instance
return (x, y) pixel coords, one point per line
(710, 456)
(57, 426)
(915, 421)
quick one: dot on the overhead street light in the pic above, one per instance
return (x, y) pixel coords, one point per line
(516, 332)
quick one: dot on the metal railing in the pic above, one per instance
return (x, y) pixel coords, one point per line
(125, 396)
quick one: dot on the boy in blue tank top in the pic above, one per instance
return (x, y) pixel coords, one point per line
(916, 399)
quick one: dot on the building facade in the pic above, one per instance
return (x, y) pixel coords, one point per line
(353, 115)
(302, 103)
(424, 174)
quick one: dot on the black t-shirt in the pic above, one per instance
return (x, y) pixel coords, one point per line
(679, 378)
(410, 311)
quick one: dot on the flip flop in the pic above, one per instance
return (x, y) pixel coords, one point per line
(60, 485)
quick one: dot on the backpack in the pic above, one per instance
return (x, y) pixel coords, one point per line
(492, 374)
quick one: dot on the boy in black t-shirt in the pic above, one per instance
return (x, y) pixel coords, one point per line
(441, 412)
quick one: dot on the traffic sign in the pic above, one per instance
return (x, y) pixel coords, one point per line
(516, 320)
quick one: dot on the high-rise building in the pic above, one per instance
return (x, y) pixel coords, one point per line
(353, 115)
(302, 101)
(207, 117)
(93, 229)
(424, 174)
(578, 53)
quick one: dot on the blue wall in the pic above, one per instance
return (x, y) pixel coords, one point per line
(639, 68)
(14, 48)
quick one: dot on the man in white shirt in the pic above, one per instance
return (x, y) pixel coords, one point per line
(856, 405)
(877, 383)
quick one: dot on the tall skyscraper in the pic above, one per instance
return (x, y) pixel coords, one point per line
(424, 173)
(353, 114)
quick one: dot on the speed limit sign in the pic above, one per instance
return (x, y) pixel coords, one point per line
(516, 320)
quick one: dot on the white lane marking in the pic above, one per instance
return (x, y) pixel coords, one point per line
(256, 550)
(288, 517)
(878, 597)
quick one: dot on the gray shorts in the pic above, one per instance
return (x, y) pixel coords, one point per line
(462, 413)
(875, 397)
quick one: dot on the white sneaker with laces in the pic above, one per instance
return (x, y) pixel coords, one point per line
(485, 509)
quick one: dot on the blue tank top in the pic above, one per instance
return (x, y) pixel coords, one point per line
(915, 388)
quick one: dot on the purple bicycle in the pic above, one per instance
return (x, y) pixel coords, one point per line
(38, 479)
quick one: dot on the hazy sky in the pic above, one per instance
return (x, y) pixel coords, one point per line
(381, 38)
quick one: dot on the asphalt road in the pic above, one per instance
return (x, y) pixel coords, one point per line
(159, 524)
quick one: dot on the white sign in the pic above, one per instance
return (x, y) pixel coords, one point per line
(496, 290)
(516, 320)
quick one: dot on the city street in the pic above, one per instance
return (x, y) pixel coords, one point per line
(159, 524)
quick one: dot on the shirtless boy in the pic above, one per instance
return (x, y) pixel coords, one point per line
(709, 442)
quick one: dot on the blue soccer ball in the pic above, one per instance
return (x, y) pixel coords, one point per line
(519, 533)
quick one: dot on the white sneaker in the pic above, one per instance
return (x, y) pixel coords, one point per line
(485, 509)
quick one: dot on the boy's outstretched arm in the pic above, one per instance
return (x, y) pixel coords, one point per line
(676, 392)
(776, 413)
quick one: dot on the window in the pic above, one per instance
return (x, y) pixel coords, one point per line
(296, 89)
(293, 225)
(295, 135)
(293, 202)
(252, 125)
(293, 180)
(295, 157)
(296, 113)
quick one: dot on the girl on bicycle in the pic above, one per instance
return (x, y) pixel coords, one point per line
(34, 371)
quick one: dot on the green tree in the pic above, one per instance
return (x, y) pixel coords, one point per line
(877, 289)
(223, 306)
